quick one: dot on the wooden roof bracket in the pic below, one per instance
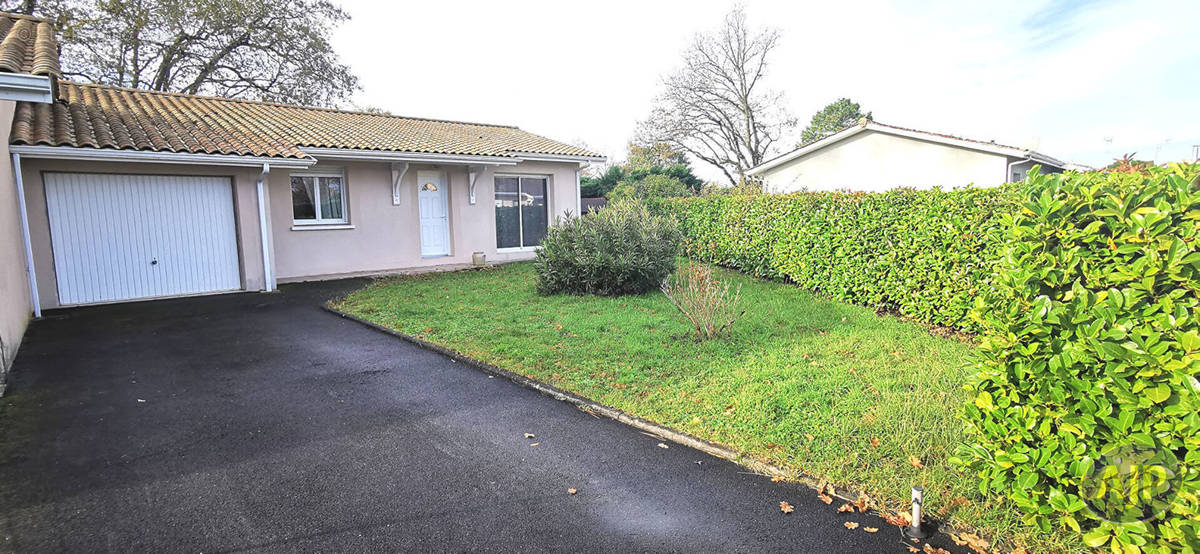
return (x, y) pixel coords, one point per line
(473, 173)
(398, 171)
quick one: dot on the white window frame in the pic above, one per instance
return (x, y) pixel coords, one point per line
(342, 222)
(521, 227)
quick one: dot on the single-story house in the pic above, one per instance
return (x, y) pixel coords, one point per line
(873, 156)
(119, 194)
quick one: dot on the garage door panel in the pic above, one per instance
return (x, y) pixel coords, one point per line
(121, 237)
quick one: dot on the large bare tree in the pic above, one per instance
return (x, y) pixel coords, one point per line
(259, 49)
(716, 108)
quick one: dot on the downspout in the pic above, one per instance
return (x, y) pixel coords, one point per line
(579, 190)
(29, 271)
(1008, 172)
(268, 271)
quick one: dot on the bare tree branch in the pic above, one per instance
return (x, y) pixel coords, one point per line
(714, 109)
(259, 49)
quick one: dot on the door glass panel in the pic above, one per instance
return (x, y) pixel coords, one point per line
(331, 197)
(303, 206)
(508, 212)
(533, 210)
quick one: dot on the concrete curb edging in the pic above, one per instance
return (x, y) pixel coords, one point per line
(596, 408)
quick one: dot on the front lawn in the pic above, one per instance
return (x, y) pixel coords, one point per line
(828, 389)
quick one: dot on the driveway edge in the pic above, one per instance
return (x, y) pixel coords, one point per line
(648, 427)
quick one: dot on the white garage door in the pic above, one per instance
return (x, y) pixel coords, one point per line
(120, 237)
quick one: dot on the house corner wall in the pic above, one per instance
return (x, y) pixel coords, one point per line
(15, 307)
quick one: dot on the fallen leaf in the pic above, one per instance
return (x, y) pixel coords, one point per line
(1020, 551)
(661, 445)
(871, 529)
(535, 444)
(862, 502)
(776, 479)
(976, 542)
(911, 549)
(529, 435)
(851, 524)
(786, 508)
(809, 436)
(825, 498)
(899, 520)
(572, 491)
(915, 461)
(845, 508)
(875, 442)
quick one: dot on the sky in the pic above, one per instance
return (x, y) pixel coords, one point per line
(1081, 81)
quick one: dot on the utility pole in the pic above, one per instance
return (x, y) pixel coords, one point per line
(1196, 152)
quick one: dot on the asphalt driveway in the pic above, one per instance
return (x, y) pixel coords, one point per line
(261, 422)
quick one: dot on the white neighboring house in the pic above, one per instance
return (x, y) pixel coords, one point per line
(872, 157)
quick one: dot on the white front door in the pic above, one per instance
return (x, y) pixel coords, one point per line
(433, 198)
(122, 237)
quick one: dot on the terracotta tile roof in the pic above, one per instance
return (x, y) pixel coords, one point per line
(28, 45)
(101, 116)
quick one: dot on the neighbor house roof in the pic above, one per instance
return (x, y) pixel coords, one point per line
(941, 138)
(28, 45)
(109, 117)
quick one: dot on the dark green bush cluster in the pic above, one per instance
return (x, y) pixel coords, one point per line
(926, 254)
(1090, 352)
(622, 249)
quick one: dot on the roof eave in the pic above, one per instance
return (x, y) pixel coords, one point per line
(785, 158)
(401, 156)
(1047, 160)
(146, 156)
(510, 158)
(536, 157)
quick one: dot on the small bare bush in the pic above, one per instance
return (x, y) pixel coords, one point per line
(704, 301)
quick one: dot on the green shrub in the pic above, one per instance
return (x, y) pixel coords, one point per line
(623, 249)
(1091, 345)
(926, 254)
(652, 188)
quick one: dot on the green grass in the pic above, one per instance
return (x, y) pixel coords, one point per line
(801, 382)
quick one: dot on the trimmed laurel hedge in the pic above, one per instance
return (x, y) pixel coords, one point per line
(1091, 342)
(1085, 288)
(926, 254)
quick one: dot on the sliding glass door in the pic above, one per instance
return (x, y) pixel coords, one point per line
(522, 214)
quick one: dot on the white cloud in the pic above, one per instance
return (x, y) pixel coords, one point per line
(1061, 77)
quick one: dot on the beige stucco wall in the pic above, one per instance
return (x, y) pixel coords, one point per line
(244, 198)
(386, 237)
(875, 161)
(15, 306)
